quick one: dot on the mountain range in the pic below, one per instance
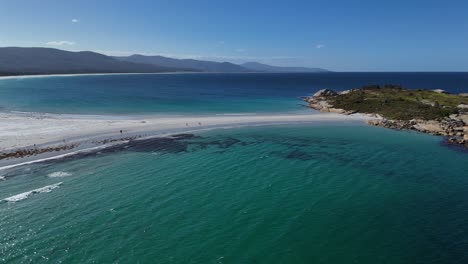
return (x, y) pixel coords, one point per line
(197, 65)
(26, 61)
(259, 67)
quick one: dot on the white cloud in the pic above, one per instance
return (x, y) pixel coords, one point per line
(75, 20)
(240, 50)
(60, 43)
(319, 46)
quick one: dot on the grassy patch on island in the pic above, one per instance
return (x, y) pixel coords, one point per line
(394, 102)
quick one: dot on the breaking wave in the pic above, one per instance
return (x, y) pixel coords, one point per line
(59, 174)
(25, 195)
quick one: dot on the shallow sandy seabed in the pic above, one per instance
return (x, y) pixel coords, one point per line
(26, 130)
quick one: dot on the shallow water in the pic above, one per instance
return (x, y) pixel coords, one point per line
(278, 194)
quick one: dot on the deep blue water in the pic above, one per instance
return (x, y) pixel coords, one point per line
(197, 93)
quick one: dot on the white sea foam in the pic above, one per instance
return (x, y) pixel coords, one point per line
(2, 178)
(54, 157)
(25, 195)
(59, 174)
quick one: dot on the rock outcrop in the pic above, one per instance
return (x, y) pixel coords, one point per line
(325, 92)
(454, 126)
(440, 91)
(455, 129)
(318, 102)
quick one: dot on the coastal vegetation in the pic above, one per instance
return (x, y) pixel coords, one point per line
(431, 111)
(394, 102)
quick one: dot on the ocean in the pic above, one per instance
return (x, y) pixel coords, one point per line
(295, 193)
(183, 94)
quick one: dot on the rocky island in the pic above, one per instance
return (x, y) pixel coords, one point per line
(429, 111)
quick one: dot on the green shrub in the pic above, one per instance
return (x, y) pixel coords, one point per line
(394, 102)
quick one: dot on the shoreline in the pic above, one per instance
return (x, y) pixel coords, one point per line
(27, 76)
(26, 138)
(9, 77)
(450, 121)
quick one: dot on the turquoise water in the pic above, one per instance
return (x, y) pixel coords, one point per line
(278, 194)
(197, 93)
(310, 193)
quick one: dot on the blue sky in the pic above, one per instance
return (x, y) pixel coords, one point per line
(348, 35)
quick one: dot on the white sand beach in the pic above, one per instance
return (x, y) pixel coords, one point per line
(8, 77)
(27, 130)
(19, 130)
(31, 131)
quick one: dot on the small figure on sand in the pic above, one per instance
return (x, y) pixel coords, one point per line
(199, 123)
(120, 131)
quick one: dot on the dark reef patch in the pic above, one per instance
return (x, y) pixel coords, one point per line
(173, 144)
(299, 155)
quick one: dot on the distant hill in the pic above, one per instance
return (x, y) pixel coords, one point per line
(259, 67)
(14, 61)
(24, 61)
(199, 65)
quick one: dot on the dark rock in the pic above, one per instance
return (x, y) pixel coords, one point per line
(325, 92)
